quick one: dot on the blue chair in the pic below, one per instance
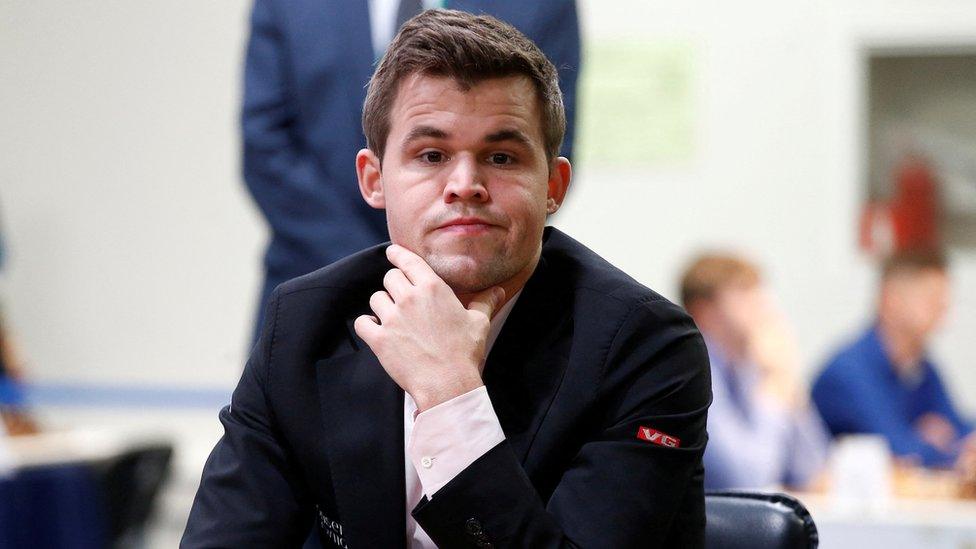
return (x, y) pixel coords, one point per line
(52, 507)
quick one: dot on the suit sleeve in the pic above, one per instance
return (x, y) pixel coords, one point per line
(619, 491)
(282, 175)
(250, 494)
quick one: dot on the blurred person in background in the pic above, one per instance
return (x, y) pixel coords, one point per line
(308, 62)
(884, 383)
(762, 430)
(13, 412)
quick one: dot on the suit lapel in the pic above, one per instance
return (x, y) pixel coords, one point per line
(362, 410)
(527, 363)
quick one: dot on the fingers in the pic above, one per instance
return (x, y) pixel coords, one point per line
(382, 304)
(487, 301)
(367, 327)
(396, 284)
(413, 266)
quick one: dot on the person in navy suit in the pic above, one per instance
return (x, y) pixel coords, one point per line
(307, 65)
(484, 380)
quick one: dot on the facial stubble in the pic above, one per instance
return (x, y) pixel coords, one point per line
(472, 269)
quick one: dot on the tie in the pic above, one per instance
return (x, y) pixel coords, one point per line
(407, 9)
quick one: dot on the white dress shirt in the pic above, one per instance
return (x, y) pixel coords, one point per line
(382, 21)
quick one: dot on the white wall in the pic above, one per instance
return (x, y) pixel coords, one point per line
(777, 171)
(134, 250)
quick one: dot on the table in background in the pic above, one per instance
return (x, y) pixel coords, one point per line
(78, 489)
(893, 523)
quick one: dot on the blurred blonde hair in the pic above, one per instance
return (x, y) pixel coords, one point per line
(710, 272)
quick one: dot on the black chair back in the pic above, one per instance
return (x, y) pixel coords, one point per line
(130, 484)
(746, 520)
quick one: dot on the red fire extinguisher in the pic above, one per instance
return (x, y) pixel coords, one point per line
(910, 220)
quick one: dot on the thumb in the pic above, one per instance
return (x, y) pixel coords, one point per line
(487, 301)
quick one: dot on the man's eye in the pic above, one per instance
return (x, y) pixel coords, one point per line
(432, 157)
(501, 159)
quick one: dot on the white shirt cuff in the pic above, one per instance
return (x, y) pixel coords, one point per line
(449, 437)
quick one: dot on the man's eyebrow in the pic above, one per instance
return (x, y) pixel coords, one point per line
(508, 135)
(420, 132)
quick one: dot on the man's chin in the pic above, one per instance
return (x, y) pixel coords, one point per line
(466, 274)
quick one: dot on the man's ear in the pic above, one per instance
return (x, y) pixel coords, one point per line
(370, 178)
(559, 177)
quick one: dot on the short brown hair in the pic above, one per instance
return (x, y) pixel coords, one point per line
(468, 48)
(710, 272)
(913, 261)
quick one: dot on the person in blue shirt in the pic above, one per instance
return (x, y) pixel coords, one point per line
(14, 418)
(762, 430)
(10, 394)
(884, 383)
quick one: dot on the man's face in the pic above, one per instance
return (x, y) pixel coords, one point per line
(917, 301)
(741, 306)
(464, 179)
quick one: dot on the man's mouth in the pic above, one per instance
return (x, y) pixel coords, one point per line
(466, 225)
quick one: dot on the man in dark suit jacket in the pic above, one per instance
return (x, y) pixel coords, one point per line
(308, 62)
(368, 408)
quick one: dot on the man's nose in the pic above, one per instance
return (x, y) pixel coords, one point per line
(465, 182)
